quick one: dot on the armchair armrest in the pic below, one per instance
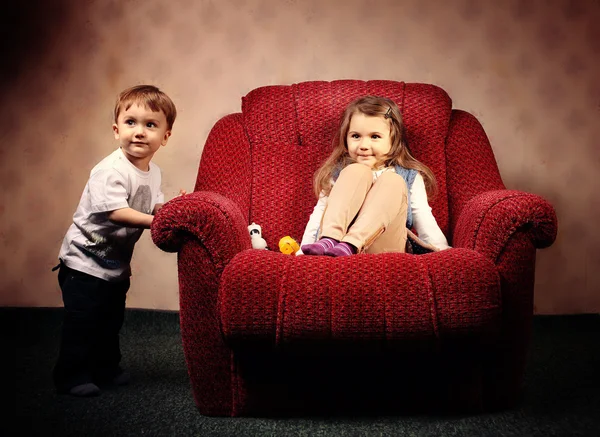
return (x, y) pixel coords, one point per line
(213, 219)
(489, 219)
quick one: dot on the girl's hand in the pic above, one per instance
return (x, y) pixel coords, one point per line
(182, 192)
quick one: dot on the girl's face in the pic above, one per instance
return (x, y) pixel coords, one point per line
(368, 139)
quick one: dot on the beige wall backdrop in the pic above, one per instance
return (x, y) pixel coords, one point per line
(529, 69)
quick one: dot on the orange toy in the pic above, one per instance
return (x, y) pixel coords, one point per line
(288, 245)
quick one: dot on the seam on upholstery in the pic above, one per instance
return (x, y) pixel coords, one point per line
(234, 386)
(251, 150)
(485, 214)
(193, 231)
(432, 303)
(502, 251)
(447, 194)
(403, 93)
(229, 220)
(451, 220)
(296, 119)
(385, 319)
(281, 301)
(240, 120)
(220, 319)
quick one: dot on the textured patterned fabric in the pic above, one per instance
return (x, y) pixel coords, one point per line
(278, 300)
(267, 333)
(291, 138)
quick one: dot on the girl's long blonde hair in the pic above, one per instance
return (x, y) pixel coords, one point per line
(399, 153)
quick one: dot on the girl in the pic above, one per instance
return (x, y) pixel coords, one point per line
(370, 189)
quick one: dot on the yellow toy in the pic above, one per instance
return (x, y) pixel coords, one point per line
(288, 246)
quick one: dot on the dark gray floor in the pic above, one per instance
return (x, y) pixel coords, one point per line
(561, 398)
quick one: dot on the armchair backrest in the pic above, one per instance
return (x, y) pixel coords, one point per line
(291, 129)
(288, 132)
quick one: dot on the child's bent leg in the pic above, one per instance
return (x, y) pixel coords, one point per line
(107, 354)
(345, 200)
(381, 222)
(80, 327)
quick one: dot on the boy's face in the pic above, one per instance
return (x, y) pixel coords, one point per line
(141, 132)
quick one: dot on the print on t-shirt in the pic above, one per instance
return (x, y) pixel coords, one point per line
(105, 248)
(142, 200)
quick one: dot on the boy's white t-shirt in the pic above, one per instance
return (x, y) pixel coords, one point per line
(95, 245)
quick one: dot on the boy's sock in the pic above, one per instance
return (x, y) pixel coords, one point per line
(122, 378)
(116, 376)
(341, 249)
(85, 390)
(319, 247)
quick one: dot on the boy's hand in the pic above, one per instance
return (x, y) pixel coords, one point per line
(158, 206)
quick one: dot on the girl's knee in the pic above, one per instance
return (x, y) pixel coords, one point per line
(357, 170)
(391, 178)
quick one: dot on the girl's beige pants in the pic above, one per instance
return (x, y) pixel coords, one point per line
(369, 215)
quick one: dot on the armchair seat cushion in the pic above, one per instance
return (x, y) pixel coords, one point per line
(391, 298)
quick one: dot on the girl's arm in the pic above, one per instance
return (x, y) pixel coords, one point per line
(314, 223)
(130, 218)
(423, 220)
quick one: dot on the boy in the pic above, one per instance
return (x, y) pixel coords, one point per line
(119, 201)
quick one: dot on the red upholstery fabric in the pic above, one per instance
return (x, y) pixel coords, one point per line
(265, 333)
(291, 139)
(280, 300)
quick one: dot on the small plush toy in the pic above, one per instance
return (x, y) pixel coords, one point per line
(258, 242)
(288, 245)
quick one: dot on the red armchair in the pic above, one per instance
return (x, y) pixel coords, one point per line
(266, 333)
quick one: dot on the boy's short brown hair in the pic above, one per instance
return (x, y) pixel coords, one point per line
(149, 96)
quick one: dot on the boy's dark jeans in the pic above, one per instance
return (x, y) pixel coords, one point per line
(93, 316)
